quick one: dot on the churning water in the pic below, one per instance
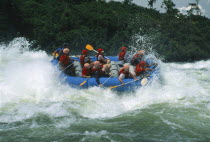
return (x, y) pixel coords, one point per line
(35, 105)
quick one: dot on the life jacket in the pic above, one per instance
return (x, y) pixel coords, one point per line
(136, 56)
(93, 70)
(126, 73)
(86, 72)
(82, 59)
(121, 55)
(139, 69)
(101, 61)
(64, 60)
(135, 60)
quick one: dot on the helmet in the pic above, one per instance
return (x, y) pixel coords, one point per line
(86, 65)
(66, 51)
(142, 63)
(123, 48)
(65, 44)
(100, 50)
(84, 51)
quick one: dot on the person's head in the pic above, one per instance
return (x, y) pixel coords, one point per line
(87, 65)
(141, 52)
(66, 51)
(142, 63)
(123, 49)
(126, 67)
(84, 52)
(100, 50)
(65, 45)
(96, 63)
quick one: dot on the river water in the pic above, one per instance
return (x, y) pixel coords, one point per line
(35, 105)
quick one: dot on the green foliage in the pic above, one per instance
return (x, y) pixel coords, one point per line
(169, 6)
(127, 1)
(110, 25)
(151, 2)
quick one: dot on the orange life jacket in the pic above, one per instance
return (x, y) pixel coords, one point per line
(121, 55)
(139, 69)
(82, 59)
(93, 70)
(126, 73)
(64, 60)
(86, 72)
(136, 56)
(135, 59)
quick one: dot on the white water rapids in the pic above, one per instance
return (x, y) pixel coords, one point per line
(30, 84)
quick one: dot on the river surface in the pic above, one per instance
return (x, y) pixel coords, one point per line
(35, 104)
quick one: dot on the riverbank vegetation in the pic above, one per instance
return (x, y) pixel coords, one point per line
(109, 25)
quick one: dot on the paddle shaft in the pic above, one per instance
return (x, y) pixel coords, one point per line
(97, 52)
(68, 66)
(89, 47)
(123, 84)
(84, 82)
(106, 80)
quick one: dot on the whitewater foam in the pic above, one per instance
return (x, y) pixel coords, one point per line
(30, 85)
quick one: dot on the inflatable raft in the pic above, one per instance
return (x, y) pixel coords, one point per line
(112, 83)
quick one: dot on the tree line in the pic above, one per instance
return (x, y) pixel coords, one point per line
(109, 25)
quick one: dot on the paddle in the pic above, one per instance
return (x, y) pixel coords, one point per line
(122, 84)
(105, 81)
(144, 81)
(89, 47)
(56, 54)
(67, 67)
(84, 81)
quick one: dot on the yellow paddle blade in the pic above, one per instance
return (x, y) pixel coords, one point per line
(82, 83)
(113, 87)
(89, 47)
(56, 54)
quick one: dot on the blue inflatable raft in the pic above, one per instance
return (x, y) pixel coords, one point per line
(112, 83)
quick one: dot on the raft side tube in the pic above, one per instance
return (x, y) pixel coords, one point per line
(114, 69)
(78, 68)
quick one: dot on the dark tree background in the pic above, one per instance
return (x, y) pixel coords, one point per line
(108, 25)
